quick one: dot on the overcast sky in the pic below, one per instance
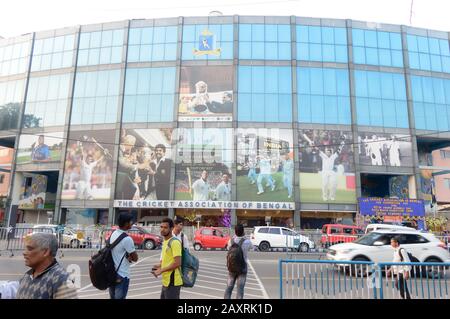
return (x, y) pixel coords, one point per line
(24, 16)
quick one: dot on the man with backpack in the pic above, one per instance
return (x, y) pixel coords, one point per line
(238, 247)
(170, 264)
(123, 253)
(401, 272)
(178, 232)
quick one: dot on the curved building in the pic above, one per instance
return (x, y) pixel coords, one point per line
(284, 120)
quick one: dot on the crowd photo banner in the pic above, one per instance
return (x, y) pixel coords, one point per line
(206, 94)
(145, 164)
(203, 167)
(327, 169)
(88, 165)
(265, 165)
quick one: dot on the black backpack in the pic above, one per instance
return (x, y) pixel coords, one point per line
(235, 259)
(415, 270)
(102, 270)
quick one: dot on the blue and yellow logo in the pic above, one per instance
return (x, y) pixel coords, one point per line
(206, 44)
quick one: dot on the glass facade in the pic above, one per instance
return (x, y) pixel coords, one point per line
(47, 100)
(53, 53)
(381, 99)
(100, 47)
(152, 44)
(217, 39)
(14, 58)
(96, 97)
(427, 53)
(431, 100)
(264, 42)
(149, 95)
(323, 96)
(322, 44)
(377, 48)
(11, 99)
(265, 94)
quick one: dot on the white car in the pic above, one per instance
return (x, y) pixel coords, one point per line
(69, 237)
(266, 237)
(376, 247)
(372, 227)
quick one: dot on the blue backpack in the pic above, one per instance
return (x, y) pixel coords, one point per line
(189, 264)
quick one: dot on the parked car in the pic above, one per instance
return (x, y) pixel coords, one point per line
(338, 233)
(373, 227)
(266, 237)
(141, 237)
(67, 236)
(210, 237)
(376, 247)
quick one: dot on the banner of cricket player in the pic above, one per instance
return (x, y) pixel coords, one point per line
(40, 148)
(203, 159)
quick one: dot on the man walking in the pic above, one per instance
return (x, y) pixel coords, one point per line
(401, 273)
(123, 254)
(170, 265)
(46, 279)
(239, 276)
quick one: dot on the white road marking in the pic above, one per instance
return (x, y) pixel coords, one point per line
(266, 296)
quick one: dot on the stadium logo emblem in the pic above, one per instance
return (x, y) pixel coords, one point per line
(206, 44)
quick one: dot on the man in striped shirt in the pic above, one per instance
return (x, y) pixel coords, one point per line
(46, 279)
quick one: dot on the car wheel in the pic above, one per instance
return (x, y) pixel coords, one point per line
(359, 270)
(149, 244)
(303, 248)
(74, 243)
(197, 247)
(264, 246)
(433, 271)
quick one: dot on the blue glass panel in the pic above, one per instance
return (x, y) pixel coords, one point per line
(171, 34)
(412, 43)
(389, 117)
(271, 51)
(245, 50)
(317, 109)
(118, 37)
(169, 81)
(271, 108)
(372, 56)
(341, 53)
(170, 52)
(383, 40)
(358, 37)
(376, 112)
(433, 45)
(427, 89)
(244, 107)
(105, 55)
(258, 32)
(444, 47)
(340, 36)
(331, 110)
(328, 52)
(167, 108)
(424, 60)
(445, 64)
(303, 51)
(442, 123)
(158, 52)
(258, 108)
(397, 58)
(189, 33)
(419, 115)
(396, 41)
(316, 81)
(447, 91)
(422, 44)
(344, 111)
(314, 35)
(370, 38)
(284, 33)
(329, 76)
(159, 35)
(227, 32)
(285, 107)
(387, 86)
(156, 81)
(257, 80)
(284, 51)
(327, 35)
(258, 50)
(385, 57)
(414, 62)
(245, 79)
(436, 63)
(303, 82)
(304, 108)
(227, 50)
(146, 35)
(245, 32)
(361, 83)
(302, 33)
(271, 84)
(374, 85)
(438, 90)
(359, 55)
(315, 52)
(342, 83)
(271, 32)
(399, 86)
(401, 110)
(284, 80)
(430, 116)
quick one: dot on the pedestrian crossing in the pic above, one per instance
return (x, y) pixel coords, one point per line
(210, 284)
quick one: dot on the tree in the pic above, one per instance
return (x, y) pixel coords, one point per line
(9, 117)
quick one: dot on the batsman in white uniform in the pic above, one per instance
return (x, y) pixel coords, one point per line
(84, 188)
(200, 187)
(223, 190)
(394, 152)
(265, 173)
(288, 174)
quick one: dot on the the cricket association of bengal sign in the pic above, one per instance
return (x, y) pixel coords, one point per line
(202, 204)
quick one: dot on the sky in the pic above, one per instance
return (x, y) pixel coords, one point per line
(25, 16)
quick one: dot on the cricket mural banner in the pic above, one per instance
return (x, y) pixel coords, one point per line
(88, 165)
(40, 148)
(381, 149)
(203, 167)
(327, 170)
(265, 165)
(145, 163)
(206, 94)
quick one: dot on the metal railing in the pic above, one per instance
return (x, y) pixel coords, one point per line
(326, 279)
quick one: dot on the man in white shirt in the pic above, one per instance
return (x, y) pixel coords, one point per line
(329, 183)
(200, 187)
(375, 151)
(123, 254)
(178, 232)
(394, 152)
(288, 173)
(84, 190)
(265, 173)
(401, 272)
(223, 190)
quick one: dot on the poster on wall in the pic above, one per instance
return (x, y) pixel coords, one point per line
(399, 187)
(81, 216)
(33, 191)
(265, 165)
(144, 166)
(88, 165)
(40, 148)
(327, 170)
(380, 149)
(203, 170)
(206, 93)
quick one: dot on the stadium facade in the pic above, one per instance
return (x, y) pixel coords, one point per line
(252, 119)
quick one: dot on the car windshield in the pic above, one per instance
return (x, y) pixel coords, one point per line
(368, 239)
